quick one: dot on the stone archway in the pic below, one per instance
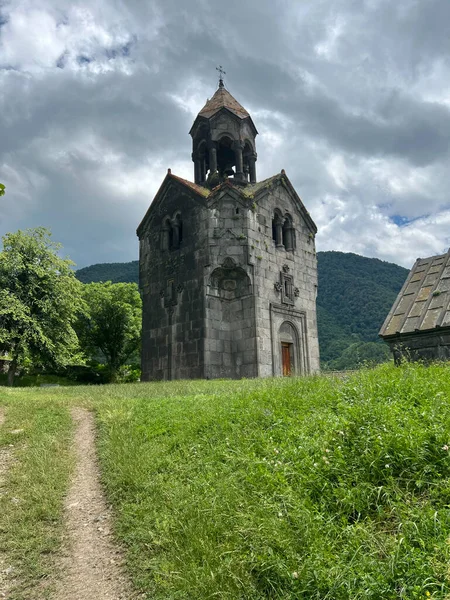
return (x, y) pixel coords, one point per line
(288, 344)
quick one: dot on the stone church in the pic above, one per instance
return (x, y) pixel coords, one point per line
(228, 269)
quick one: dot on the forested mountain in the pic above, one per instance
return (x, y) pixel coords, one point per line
(115, 272)
(355, 295)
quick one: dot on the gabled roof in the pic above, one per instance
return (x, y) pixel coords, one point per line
(255, 189)
(197, 190)
(423, 303)
(223, 99)
(247, 192)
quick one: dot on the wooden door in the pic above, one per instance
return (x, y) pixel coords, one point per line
(286, 358)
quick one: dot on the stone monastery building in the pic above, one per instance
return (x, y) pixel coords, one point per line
(228, 269)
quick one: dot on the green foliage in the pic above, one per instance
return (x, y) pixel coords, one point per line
(354, 297)
(315, 488)
(114, 272)
(109, 329)
(36, 380)
(360, 354)
(39, 299)
(2, 189)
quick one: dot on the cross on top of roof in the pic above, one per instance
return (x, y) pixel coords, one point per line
(221, 74)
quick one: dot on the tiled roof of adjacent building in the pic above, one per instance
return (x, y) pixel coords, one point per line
(423, 301)
(223, 99)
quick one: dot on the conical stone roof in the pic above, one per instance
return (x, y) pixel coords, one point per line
(223, 99)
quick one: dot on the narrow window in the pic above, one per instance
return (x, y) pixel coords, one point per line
(288, 235)
(165, 235)
(274, 231)
(170, 294)
(277, 229)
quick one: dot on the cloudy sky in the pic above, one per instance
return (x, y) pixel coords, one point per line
(351, 97)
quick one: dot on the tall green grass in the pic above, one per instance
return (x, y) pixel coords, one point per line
(303, 488)
(311, 489)
(36, 434)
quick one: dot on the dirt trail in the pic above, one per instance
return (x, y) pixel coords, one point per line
(91, 565)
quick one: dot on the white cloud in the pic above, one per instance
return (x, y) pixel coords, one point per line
(97, 99)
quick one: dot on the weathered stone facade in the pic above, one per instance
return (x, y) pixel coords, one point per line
(228, 268)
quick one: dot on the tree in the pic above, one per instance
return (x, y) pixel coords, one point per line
(39, 301)
(361, 353)
(2, 189)
(110, 329)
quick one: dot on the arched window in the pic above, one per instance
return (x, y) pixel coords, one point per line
(277, 229)
(172, 233)
(288, 234)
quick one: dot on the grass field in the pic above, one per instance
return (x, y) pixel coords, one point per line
(313, 488)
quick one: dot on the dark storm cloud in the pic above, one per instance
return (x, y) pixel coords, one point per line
(351, 97)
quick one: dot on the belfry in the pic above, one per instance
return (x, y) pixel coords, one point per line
(223, 144)
(228, 269)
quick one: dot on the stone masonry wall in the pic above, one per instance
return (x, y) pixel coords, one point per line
(426, 346)
(172, 291)
(211, 307)
(269, 262)
(230, 335)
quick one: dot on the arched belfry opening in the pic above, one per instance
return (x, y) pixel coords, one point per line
(223, 142)
(226, 158)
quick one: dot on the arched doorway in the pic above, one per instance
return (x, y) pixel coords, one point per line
(288, 343)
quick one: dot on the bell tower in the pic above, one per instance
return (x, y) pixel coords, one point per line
(227, 264)
(223, 141)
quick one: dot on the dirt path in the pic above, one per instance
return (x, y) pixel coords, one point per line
(92, 565)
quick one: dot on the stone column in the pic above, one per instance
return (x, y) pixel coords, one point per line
(197, 170)
(176, 234)
(213, 159)
(165, 238)
(289, 238)
(238, 147)
(202, 170)
(252, 162)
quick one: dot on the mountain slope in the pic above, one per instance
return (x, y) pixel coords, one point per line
(114, 272)
(355, 294)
